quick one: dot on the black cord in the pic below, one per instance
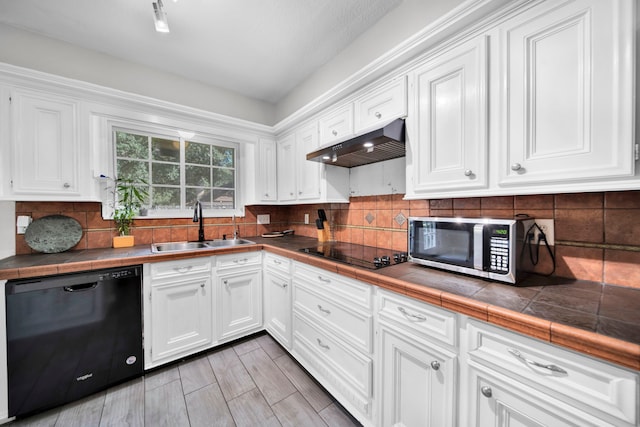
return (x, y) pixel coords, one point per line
(541, 238)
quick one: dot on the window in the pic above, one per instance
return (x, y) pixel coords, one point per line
(178, 171)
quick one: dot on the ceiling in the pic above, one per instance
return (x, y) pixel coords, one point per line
(259, 48)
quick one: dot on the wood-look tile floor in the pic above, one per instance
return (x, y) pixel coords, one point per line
(253, 382)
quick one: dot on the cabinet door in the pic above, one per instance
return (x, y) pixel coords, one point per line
(277, 307)
(381, 105)
(287, 170)
(448, 132)
(240, 303)
(45, 145)
(418, 382)
(337, 125)
(568, 113)
(180, 317)
(499, 402)
(308, 172)
(267, 171)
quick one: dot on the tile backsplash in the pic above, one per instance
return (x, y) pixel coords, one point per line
(597, 234)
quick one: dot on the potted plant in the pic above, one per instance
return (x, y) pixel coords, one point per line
(131, 197)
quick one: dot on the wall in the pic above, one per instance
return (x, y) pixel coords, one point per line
(99, 232)
(597, 234)
(25, 49)
(7, 229)
(410, 17)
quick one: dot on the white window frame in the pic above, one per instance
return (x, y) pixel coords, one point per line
(168, 132)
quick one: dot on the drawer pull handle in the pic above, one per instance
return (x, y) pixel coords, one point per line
(486, 391)
(323, 345)
(322, 279)
(275, 261)
(243, 260)
(552, 368)
(411, 315)
(324, 310)
(183, 269)
(435, 365)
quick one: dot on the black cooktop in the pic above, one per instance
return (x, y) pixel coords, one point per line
(357, 255)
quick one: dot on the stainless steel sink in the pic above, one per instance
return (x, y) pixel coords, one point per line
(191, 246)
(219, 243)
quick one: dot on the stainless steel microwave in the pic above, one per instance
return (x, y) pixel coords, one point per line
(488, 248)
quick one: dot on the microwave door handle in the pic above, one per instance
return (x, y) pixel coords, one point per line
(478, 247)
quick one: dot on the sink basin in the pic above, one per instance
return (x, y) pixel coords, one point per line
(227, 243)
(177, 246)
(191, 246)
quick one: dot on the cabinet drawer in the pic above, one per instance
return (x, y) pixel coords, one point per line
(354, 326)
(238, 260)
(160, 270)
(337, 125)
(277, 263)
(381, 106)
(594, 386)
(332, 284)
(342, 366)
(422, 319)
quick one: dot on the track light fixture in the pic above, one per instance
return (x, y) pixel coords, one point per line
(160, 17)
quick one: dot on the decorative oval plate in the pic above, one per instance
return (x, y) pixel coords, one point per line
(53, 233)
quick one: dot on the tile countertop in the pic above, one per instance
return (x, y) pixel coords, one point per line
(589, 317)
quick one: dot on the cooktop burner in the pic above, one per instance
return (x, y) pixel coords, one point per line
(357, 255)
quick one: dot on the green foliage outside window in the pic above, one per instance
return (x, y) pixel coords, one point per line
(178, 172)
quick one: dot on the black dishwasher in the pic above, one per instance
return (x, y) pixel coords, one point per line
(71, 335)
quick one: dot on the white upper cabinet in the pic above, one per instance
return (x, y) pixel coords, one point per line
(381, 105)
(568, 112)
(308, 173)
(267, 181)
(287, 171)
(301, 180)
(448, 121)
(336, 125)
(47, 158)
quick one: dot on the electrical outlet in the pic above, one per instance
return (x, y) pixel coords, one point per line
(264, 219)
(306, 218)
(547, 227)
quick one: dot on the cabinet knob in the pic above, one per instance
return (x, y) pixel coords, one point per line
(516, 167)
(299, 192)
(66, 185)
(284, 285)
(202, 285)
(291, 194)
(266, 194)
(378, 115)
(334, 132)
(468, 172)
(435, 365)
(486, 391)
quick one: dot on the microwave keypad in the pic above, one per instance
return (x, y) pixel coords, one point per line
(499, 254)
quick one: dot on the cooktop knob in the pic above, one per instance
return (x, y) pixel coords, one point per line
(377, 262)
(386, 260)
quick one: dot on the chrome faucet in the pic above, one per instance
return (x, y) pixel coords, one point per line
(236, 234)
(197, 217)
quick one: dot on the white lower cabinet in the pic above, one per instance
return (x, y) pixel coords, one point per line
(277, 298)
(333, 336)
(417, 373)
(178, 309)
(239, 288)
(514, 380)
